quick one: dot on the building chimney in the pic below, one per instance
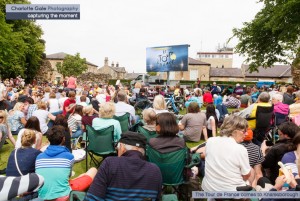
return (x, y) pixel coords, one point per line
(117, 64)
(106, 61)
(112, 64)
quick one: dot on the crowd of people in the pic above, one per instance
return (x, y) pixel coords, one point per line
(235, 154)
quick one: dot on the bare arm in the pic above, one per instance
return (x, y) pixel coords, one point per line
(204, 130)
(10, 137)
(51, 116)
(23, 121)
(247, 176)
(181, 126)
(68, 109)
(213, 127)
(38, 144)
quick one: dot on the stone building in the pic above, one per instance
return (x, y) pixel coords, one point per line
(196, 69)
(115, 71)
(48, 70)
(223, 58)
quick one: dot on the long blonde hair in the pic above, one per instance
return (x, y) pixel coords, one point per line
(4, 115)
(17, 106)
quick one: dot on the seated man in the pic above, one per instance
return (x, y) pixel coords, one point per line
(232, 101)
(123, 107)
(128, 176)
(286, 131)
(250, 112)
(55, 165)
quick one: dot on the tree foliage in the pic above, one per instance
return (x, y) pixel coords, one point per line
(21, 45)
(72, 65)
(272, 36)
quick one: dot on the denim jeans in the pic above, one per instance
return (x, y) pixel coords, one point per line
(51, 122)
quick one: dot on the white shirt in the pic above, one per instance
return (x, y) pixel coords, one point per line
(101, 98)
(19, 138)
(122, 108)
(53, 105)
(225, 163)
(42, 115)
(61, 101)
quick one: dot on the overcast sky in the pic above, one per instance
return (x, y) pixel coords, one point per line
(122, 29)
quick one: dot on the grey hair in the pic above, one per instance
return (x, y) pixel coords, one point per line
(278, 97)
(232, 123)
(264, 97)
(130, 147)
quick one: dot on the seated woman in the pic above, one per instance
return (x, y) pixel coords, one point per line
(106, 113)
(159, 104)
(167, 140)
(226, 161)
(88, 116)
(16, 118)
(34, 125)
(4, 130)
(193, 123)
(22, 160)
(74, 122)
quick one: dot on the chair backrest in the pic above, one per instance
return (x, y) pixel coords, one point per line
(124, 121)
(264, 116)
(280, 118)
(148, 134)
(77, 195)
(171, 165)
(100, 142)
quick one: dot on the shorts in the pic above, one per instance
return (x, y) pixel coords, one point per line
(81, 183)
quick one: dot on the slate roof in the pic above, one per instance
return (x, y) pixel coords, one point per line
(276, 71)
(131, 76)
(118, 69)
(61, 56)
(225, 72)
(197, 62)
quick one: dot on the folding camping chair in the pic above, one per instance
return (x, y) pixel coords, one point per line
(99, 143)
(124, 121)
(148, 134)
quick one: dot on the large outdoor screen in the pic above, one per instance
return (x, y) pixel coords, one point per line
(167, 58)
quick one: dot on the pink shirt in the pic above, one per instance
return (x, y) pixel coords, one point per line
(72, 83)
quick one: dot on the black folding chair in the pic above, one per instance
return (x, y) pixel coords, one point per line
(264, 116)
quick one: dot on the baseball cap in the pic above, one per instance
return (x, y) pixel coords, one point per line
(134, 139)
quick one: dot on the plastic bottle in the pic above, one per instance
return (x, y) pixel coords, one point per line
(285, 187)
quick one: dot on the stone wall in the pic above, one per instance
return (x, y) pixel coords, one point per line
(99, 77)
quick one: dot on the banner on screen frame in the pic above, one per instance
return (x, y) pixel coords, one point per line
(167, 58)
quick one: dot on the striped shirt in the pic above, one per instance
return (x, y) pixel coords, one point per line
(128, 177)
(254, 153)
(11, 187)
(55, 165)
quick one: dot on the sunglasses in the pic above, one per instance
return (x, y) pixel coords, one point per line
(1, 117)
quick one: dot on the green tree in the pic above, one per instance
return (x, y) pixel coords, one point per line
(21, 45)
(72, 65)
(152, 73)
(272, 36)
